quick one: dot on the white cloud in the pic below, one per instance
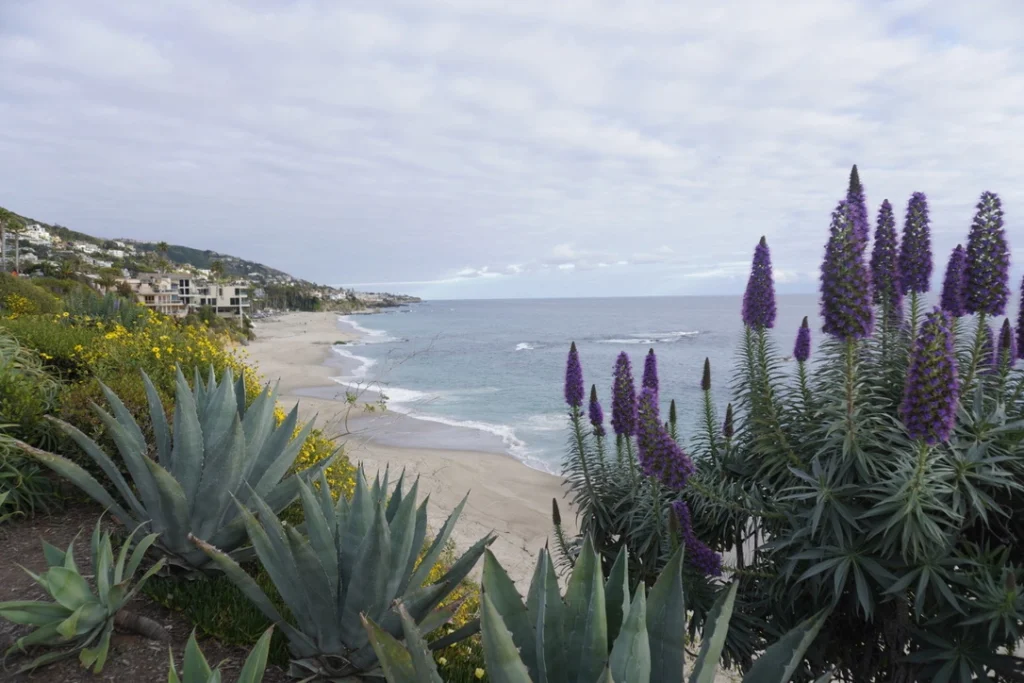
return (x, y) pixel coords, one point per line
(405, 139)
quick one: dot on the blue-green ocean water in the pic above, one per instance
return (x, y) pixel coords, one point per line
(489, 374)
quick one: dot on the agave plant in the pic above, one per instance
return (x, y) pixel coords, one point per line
(596, 633)
(7, 515)
(195, 668)
(218, 451)
(357, 558)
(80, 619)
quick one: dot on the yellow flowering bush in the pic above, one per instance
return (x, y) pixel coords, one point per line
(16, 305)
(464, 659)
(341, 474)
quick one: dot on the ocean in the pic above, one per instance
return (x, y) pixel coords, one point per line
(488, 375)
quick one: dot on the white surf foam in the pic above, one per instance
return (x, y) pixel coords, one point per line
(656, 338)
(368, 335)
(523, 346)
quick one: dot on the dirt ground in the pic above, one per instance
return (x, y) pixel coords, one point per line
(132, 657)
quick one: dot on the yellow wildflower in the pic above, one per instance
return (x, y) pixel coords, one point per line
(442, 661)
(479, 673)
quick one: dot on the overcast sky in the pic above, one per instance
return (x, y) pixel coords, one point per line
(481, 148)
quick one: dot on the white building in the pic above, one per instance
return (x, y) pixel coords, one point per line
(115, 253)
(86, 247)
(178, 294)
(37, 234)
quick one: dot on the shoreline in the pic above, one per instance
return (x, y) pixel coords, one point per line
(505, 495)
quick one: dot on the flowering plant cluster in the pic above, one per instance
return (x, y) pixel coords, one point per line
(878, 474)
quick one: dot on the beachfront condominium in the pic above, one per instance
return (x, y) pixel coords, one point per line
(178, 294)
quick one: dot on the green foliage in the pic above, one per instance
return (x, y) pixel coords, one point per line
(4, 515)
(62, 348)
(40, 300)
(358, 558)
(23, 483)
(219, 451)
(594, 633)
(79, 619)
(27, 392)
(107, 308)
(917, 549)
(292, 297)
(62, 287)
(195, 668)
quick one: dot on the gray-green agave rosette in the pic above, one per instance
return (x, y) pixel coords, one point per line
(356, 558)
(218, 451)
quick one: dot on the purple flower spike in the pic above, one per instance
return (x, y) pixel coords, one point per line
(659, 455)
(1020, 324)
(858, 207)
(988, 259)
(1007, 344)
(915, 262)
(759, 299)
(931, 392)
(802, 347)
(573, 379)
(885, 271)
(703, 558)
(845, 281)
(954, 283)
(727, 427)
(623, 398)
(650, 378)
(596, 414)
(705, 378)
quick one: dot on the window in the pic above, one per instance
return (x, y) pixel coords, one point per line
(234, 301)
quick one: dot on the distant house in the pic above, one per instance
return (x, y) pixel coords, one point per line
(115, 253)
(85, 247)
(178, 294)
(37, 234)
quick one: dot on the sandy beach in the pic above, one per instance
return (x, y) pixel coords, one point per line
(505, 496)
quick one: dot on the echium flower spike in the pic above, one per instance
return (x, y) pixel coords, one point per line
(954, 283)
(1007, 344)
(1020, 324)
(573, 379)
(623, 398)
(845, 281)
(660, 456)
(650, 378)
(727, 427)
(703, 558)
(858, 206)
(885, 271)
(802, 347)
(705, 378)
(931, 392)
(596, 414)
(915, 262)
(759, 298)
(988, 259)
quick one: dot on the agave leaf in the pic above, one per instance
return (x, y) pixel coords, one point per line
(138, 554)
(121, 587)
(158, 417)
(365, 594)
(104, 462)
(255, 594)
(321, 538)
(716, 628)
(126, 434)
(616, 592)
(258, 423)
(256, 662)
(80, 478)
(544, 605)
(357, 525)
(67, 587)
(421, 659)
(503, 662)
(102, 562)
(96, 657)
(173, 524)
(240, 394)
(439, 617)
(396, 496)
(419, 535)
(194, 666)
(586, 626)
(273, 444)
(666, 622)
(222, 474)
(606, 676)
(780, 661)
(395, 660)
(402, 525)
(320, 592)
(219, 413)
(187, 451)
(631, 654)
(505, 598)
(54, 556)
(280, 465)
(32, 612)
(430, 558)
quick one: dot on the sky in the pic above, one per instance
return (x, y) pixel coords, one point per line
(491, 148)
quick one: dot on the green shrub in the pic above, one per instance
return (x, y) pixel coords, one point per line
(27, 392)
(91, 306)
(60, 287)
(23, 483)
(62, 348)
(19, 296)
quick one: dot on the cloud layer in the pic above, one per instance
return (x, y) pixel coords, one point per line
(482, 147)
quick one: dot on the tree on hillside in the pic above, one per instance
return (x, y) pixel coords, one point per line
(5, 216)
(125, 290)
(69, 267)
(217, 268)
(16, 228)
(108, 278)
(162, 248)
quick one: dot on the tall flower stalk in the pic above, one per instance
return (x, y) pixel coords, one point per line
(954, 284)
(802, 353)
(624, 410)
(759, 297)
(987, 273)
(845, 282)
(710, 419)
(580, 465)
(650, 376)
(931, 393)
(858, 207)
(915, 261)
(885, 273)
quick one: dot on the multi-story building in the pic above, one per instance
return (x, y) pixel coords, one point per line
(178, 294)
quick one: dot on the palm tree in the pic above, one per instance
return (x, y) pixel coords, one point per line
(108, 279)
(16, 228)
(217, 268)
(4, 218)
(162, 248)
